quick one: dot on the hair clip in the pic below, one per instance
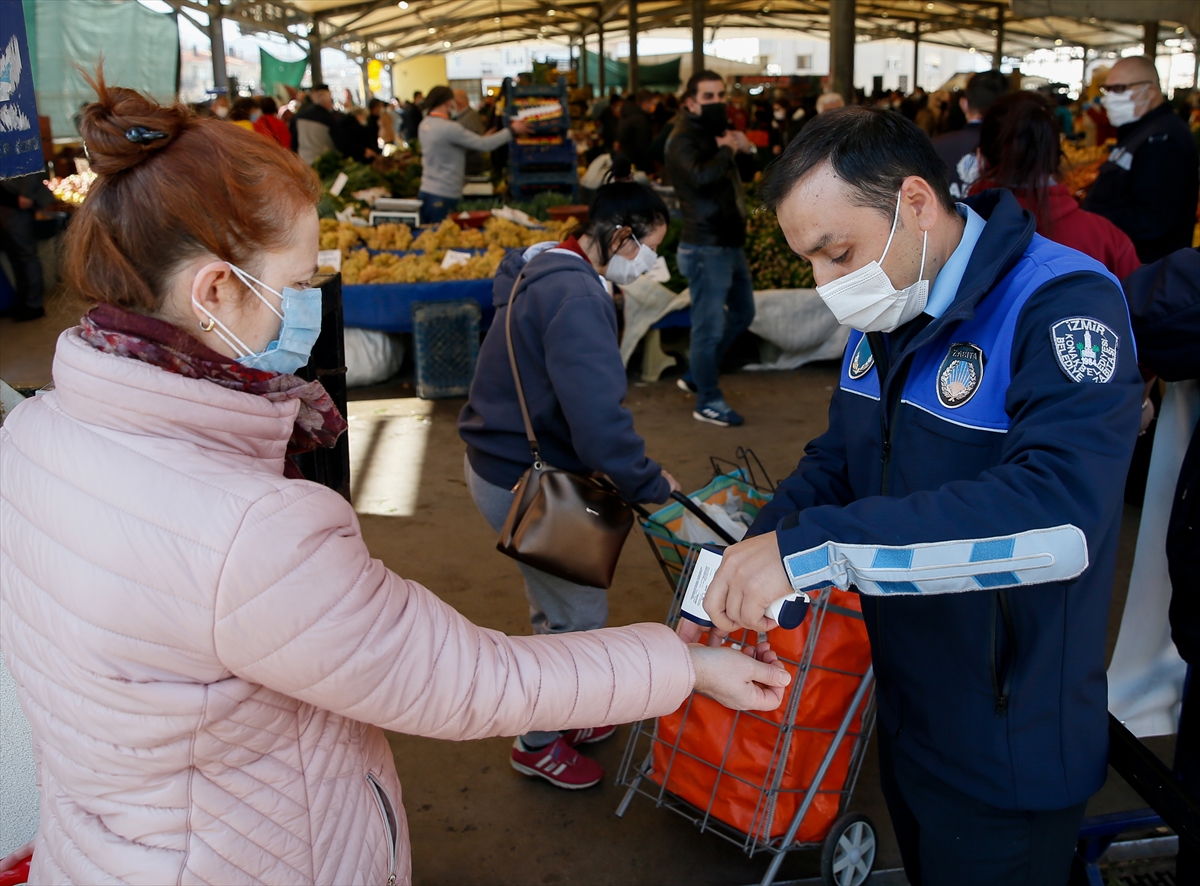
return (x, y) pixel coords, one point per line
(140, 135)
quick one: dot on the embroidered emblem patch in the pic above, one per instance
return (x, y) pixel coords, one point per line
(959, 375)
(1086, 349)
(861, 360)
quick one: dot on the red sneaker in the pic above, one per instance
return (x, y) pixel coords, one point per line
(559, 764)
(591, 735)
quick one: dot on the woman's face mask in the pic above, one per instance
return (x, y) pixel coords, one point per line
(622, 270)
(299, 327)
(865, 299)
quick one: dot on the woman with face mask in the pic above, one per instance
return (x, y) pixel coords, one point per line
(202, 644)
(564, 328)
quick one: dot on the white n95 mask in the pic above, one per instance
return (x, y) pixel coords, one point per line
(622, 270)
(1120, 107)
(866, 299)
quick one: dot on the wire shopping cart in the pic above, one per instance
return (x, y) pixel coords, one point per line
(770, 782)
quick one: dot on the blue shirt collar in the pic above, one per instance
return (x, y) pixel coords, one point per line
(945, 285)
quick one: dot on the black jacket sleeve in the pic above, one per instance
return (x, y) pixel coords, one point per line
(1164, 305)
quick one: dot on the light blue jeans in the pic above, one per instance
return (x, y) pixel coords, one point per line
(722, 309)
(556, 606)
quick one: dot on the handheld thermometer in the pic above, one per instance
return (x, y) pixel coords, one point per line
(787, 611)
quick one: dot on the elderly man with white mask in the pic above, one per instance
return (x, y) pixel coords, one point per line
(969, 488)
(1149, 184)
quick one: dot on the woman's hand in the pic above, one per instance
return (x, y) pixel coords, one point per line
(750, 680)
(672, 482)
(18, 855)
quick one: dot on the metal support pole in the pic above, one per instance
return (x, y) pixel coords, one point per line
(633, 52)
(366, 80)
(1150, 39)
(841, 48)
(697, 36)
(600, 48)
(999, 56)
(216, 18)
(916, 53)
(314, 52)
(583, 65)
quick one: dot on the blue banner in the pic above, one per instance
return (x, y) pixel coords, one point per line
(20, 139)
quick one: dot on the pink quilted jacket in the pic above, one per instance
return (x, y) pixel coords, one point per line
(206, 651)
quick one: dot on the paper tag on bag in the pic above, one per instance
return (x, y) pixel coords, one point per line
(330, 258)
(707, 564)
(788, 612)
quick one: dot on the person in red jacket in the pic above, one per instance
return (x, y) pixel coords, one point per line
(270, 125)
(1019, 149)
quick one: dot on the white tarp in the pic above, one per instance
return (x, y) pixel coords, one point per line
(1145, 678)
(371, 356)
(798, 323)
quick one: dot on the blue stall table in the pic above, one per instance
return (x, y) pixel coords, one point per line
(388, 306)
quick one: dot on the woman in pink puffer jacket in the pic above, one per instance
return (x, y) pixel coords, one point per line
(203, 646)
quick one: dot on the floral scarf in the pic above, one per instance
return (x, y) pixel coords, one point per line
(114, 330)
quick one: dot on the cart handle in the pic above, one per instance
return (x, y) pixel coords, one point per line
(699, 514)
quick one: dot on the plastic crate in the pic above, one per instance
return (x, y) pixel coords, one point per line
(543, 157)
(446, 346)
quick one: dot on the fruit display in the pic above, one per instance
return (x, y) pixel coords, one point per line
(773, 265)
(424, 263)
(1081, 165)
(73, 188)
(387, 267)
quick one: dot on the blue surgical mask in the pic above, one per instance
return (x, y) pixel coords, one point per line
(301, 324)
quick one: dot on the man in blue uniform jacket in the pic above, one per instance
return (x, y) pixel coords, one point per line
(969, 487)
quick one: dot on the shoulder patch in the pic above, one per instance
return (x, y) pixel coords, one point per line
(959, 375)
(861, 360)
(1086, 349)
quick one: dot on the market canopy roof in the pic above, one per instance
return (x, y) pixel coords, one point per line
(377, 27)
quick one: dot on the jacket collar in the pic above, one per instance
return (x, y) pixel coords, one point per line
(129, 396)
(1147, 119)
(1006, 235)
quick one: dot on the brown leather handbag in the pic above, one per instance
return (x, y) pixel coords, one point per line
(562, 523)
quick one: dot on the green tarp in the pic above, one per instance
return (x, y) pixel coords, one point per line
(278, 72)
(662, 77)
(140, 49)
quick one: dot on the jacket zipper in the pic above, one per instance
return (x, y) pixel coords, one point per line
(1002, 676)
(384, 802)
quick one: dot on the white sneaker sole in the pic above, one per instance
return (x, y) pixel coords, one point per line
(712, 421)
(684, 386)
(528, 770)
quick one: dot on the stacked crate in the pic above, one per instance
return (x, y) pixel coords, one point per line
(545, 159)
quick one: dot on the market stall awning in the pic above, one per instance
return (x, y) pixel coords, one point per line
(391, 29)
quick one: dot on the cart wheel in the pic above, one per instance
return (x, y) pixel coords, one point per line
(848, 854)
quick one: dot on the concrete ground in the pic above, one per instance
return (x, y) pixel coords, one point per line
(474, 820)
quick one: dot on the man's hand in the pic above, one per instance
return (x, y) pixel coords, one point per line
(751, 680)
(24, 202)
(744, 145)
(519, 128)
(728, 139)
(750, 579)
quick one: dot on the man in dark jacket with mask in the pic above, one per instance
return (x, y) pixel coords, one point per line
(1148, 186)
(969, 488)
(702, 166)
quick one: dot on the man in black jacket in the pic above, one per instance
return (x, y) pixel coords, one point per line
(20, 199)
(1164, 305)
(702, 164)
(635, 133)
(1148, 185)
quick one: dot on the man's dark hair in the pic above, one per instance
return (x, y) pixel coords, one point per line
(320, 87)
(871, 150)
(984, 88)
(622, 204)
(374, 103)
(438, 96)
(694, 81)
(417, 95)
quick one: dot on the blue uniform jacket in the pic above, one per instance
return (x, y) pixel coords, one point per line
(565, 338)
(975, 504)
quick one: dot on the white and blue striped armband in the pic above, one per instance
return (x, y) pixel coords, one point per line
(1058, 553)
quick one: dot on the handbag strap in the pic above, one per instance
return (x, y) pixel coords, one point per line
(512, 361)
